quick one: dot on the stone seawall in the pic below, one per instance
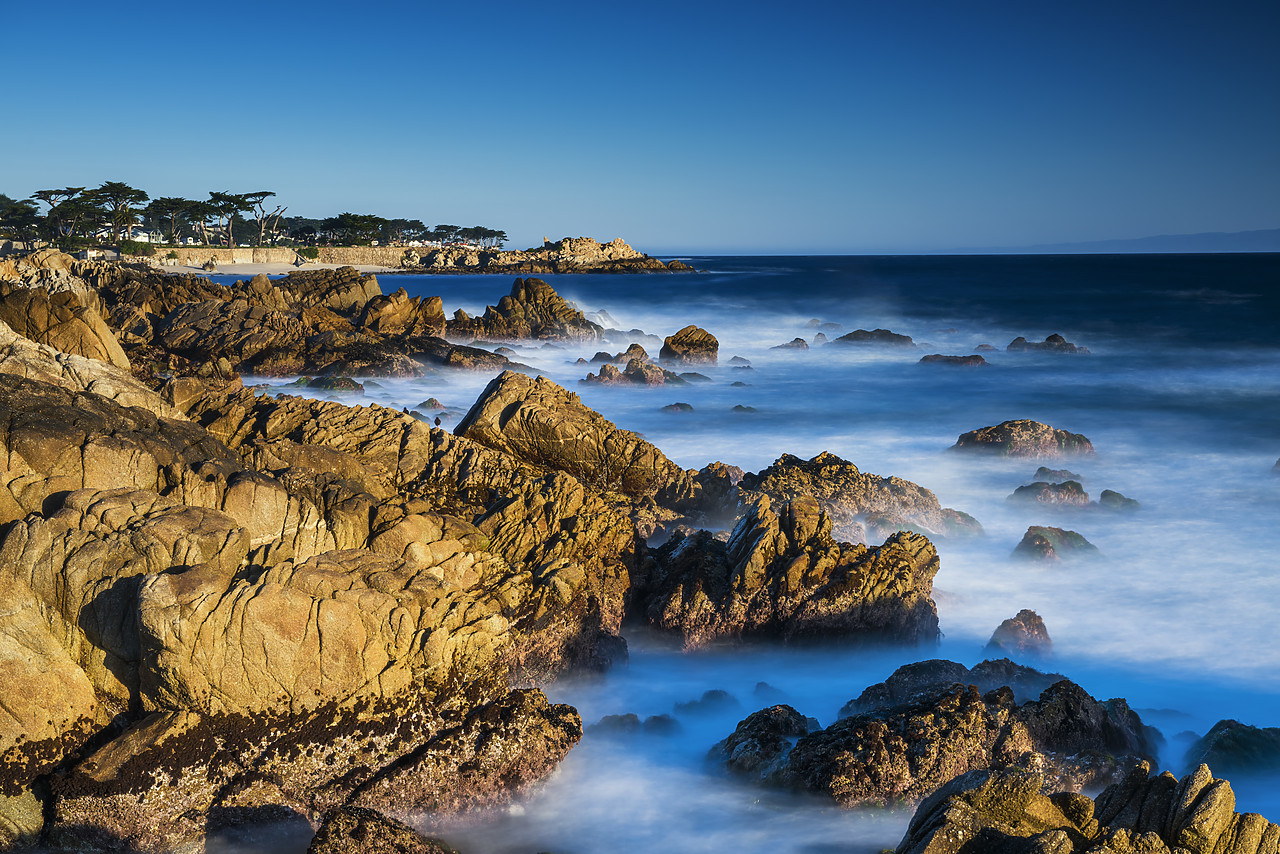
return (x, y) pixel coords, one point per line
(196, 256)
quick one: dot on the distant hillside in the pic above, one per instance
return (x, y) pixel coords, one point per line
(1264, 240)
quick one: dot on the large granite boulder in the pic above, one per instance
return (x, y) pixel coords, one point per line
(908, 751)
(782, 574)
(856, 500)
(538, 422)
(62, 321)
(401, 314)
(692, 345)
(533, 310)
(1024, 439)
(1007, 811)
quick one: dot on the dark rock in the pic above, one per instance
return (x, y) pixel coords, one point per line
(738, 361)
(957, 361)
(793, 344)
(661, 725)
(739, 384)
(677, 407)
(1048, 475)
(820, 338)
(1115, 501)
(739, 408)
(1051, 544)
(1024, 439)
(1069, 493)
(694, 377)
(1053, 344)
(358, 830)
(614, 726)
(1237, 748)
(690, 346)
(1024, 634)
(907, 752)
(876, 337)
(714, 702)
(761, 741)
(911, 682)
(533, 310)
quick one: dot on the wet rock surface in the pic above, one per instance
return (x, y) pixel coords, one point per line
(1045, 544)
(781, 574)
(1055, 343)
(1024, 439)
(1023, 634)
(1008, 811)
(533, 310)
(860, 504)
(690, 346)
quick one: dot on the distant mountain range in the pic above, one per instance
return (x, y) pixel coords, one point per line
(1264, 240)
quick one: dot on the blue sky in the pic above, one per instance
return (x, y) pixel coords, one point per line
(682, 127)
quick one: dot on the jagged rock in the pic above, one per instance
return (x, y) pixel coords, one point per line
(1235, 747)
(690, 346)
(1068, 493)
(570, 551)
(539, 422)
(1052, 544)
(570, 255)
(176, 776)
(24, 358)
(914, 682)
(781, 574)
(358, 830)
(345, 290)
(1024, 439)
(1023, 634)
(1053, 344)
(1113, 500)
(974, 361)
(876, 337)
(1006, 811)
(853, 498)
(62, 321)
(638, 372)
(533, 310)
(793, 344)
(907, 752)
(401, 314)
(675, 265)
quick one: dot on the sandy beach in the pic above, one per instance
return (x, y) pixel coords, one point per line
(273, 269)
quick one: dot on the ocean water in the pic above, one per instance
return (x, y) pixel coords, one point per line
(1180, 396)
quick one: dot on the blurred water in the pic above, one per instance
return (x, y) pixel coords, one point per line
(1180, 397)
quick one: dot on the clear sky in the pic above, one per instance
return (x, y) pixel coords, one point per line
(680, 126)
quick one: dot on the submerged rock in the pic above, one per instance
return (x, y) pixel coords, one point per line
(1112, 500)
(1047, 475)
(1024, 439)
(875, 337)
(677, 408)
(1053, 344)
(1024, 634)
(974, 361)
(1042, 543)
(793, 344)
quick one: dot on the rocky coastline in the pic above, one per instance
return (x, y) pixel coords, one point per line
(222, 607)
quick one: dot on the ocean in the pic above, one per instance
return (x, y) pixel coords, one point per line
(1180, 395)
